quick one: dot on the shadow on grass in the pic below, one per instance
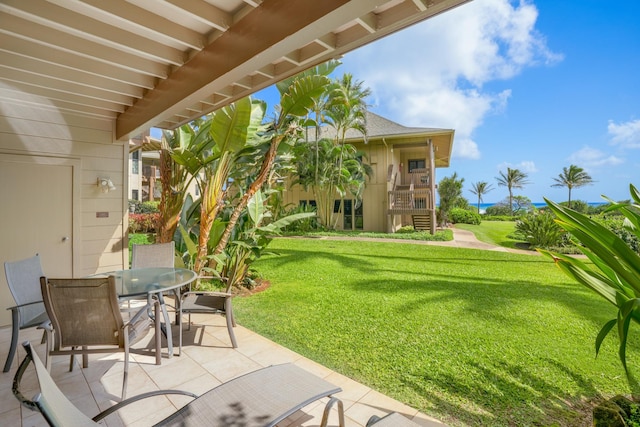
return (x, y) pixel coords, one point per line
(510, 396)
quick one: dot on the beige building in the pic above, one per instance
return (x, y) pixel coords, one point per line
(78, 80)
(402, 190)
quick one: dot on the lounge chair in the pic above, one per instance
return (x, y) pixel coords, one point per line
(261, 398)
(393, 419)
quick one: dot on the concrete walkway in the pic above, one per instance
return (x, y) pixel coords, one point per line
(461, 239)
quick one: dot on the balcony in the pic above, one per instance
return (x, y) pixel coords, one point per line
(417, 201)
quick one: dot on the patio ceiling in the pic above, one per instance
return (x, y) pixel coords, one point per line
(162, 63)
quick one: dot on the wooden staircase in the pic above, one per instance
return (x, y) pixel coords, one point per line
(421, 222)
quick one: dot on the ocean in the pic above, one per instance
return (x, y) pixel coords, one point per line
(538, 205)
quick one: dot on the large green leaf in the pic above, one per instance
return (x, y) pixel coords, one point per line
(301, 94)
(602, 242)
(278, 225)
(230, 125)
(255, 208)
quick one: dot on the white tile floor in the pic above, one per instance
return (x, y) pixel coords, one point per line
(207, 361)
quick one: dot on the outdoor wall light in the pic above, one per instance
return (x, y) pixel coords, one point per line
(105, 185)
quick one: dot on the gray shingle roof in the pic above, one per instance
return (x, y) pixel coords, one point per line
(378, 126)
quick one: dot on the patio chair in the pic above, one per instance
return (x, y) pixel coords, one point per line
(23, 278)
(208, 303)
(262, 398)
(156, 255)
(85, 313)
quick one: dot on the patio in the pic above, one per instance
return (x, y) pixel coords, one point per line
(207, 361)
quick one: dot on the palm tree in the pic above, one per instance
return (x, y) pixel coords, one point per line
(572, 177)
(480, 188)
(514, 178)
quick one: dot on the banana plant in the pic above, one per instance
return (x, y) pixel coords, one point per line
(615, 273)
(251, 238)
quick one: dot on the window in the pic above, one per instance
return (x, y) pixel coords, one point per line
(134, 195)
(309, 203)
(353, 218)
(135, 163)
(417, 164)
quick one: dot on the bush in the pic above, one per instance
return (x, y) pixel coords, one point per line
(143, 223)
(143, 207)
(303, 225)
(462, 216)
(615, 224)
(498, 218)
(499, 210)
(540, 230)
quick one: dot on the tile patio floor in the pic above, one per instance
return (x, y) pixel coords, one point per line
(207, 361)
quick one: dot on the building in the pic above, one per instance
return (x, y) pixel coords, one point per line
(402, 190)
(78, 80)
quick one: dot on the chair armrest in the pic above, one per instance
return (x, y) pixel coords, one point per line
(46, 325)
(15, 307)
(133, 399)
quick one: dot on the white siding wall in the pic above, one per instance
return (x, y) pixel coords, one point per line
(101, 244)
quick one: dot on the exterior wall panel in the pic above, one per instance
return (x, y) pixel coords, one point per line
(99, 240)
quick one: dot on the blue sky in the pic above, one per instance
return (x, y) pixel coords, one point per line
(533, 85)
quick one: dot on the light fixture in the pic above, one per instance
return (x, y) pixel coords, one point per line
(105, 185)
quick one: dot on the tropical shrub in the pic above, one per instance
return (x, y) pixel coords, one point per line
(450, 191)
(499, 209)
(540, 230)
(617, 225)
(303, 225)
(406, 229)
(497, 218)
(143, 223)
(578, 206)
(463, 216)
(615, 270)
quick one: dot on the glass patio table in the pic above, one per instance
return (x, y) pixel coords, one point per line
(152, 282)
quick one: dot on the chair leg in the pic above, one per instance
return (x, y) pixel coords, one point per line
(49, 347)
(167, 323)
(126, 365)
(85, 358)
(230, 323)
(179, 325)
(15, 330)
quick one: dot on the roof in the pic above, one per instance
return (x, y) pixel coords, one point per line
(392, 133)
(150, 63)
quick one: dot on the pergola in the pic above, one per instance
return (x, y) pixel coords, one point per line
(79, 78)
(144, 63)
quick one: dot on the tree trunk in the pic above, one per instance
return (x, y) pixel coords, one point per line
(267, 164)
(170, 203)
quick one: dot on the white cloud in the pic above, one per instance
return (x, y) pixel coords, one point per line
(465, 148)
(432, 74)
(626, 135)
(589, 158)
(526, 166)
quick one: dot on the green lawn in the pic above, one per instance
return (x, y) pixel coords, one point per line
(471, 337)
(495, 233)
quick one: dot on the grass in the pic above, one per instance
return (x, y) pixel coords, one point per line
(471, 337)
(496, 233)
(440, 236)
